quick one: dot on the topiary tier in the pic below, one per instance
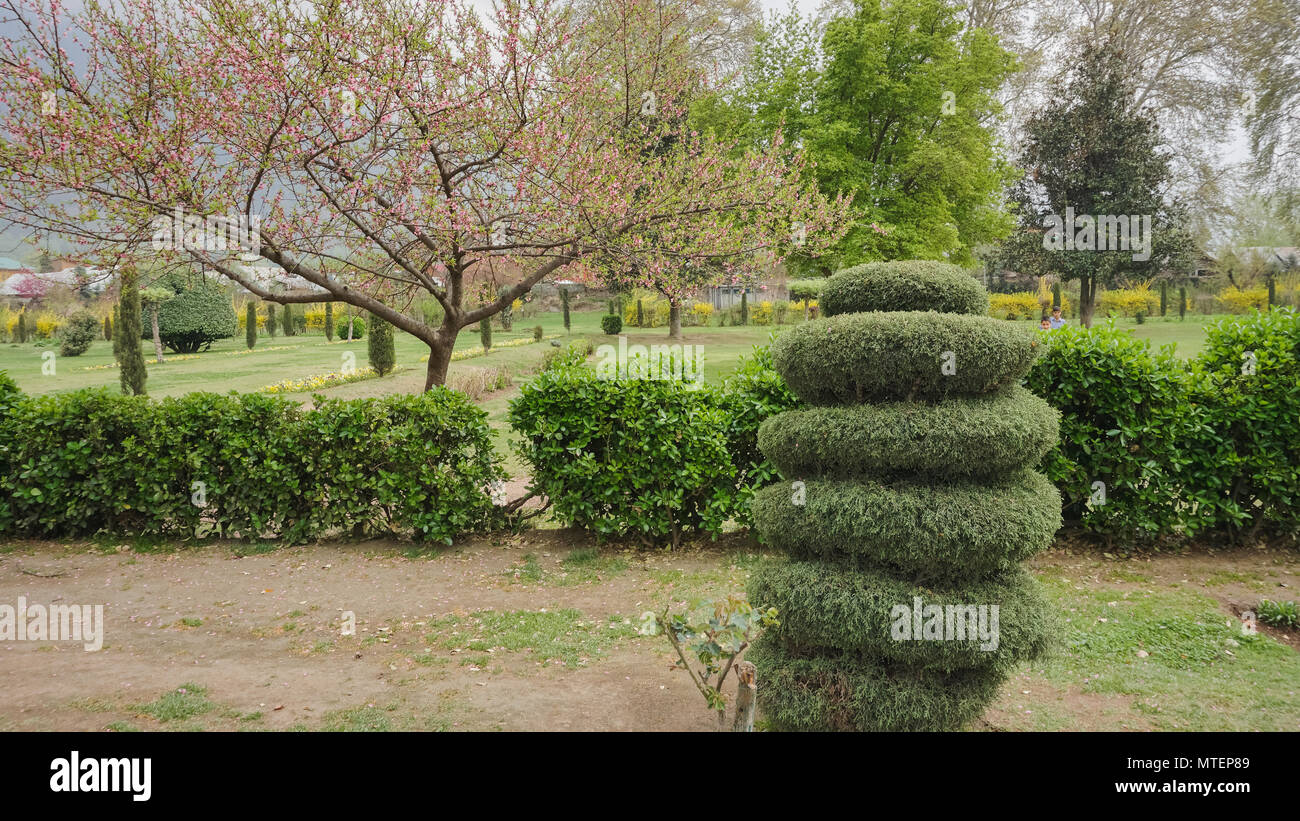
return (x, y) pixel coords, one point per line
(917, 484)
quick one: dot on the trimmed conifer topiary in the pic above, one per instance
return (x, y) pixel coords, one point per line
(250, 325)
(379, 346)
(911, 502)
(329, 321)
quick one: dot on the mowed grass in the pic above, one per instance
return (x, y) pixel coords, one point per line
(1187, 335)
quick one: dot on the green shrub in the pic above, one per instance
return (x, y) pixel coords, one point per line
(329, 322)
(564, 357)
(1283, 614)
(848, 692)
(89, 461)
(485, 333)
(379, 346)
(626, 458)
(537, 333)
(937, 533)
(195, 318)
(996, 433)
(826, 607)
(1121, 414)
(1243, 452)
(904, 285)
(891, 356)
(78, 332)
(802, 290)
(611, 324)
(358, 328)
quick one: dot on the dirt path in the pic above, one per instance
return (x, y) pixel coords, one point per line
(259, 636)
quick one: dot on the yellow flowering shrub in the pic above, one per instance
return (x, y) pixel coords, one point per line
(701, 313)
(762, 313)
(1023, 305)
(1237, 301)
(1129, 301)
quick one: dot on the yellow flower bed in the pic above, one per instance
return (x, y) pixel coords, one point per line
(148, 360)
(477, 350)
(1238, 301)
(323, 380)
(703, 312)
(263, 350)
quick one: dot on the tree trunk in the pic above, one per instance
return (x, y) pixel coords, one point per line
(1087, 291)
(674, 321)
(157, 340)
(439, 360)
(746, 689)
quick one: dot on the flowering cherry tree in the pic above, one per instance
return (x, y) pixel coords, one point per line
(384, 150)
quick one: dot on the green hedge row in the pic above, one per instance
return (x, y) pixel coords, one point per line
(1177, 448)
(911, 285)
(256, 466)
(902, 356)
(980, 436)
(935, 533)
(824, 606)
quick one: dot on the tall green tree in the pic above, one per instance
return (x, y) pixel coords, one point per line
(380, 345)
(250, 324)
(130, 330)
(893, 105)
(1092, 151)
(270, 319)
(329, 321)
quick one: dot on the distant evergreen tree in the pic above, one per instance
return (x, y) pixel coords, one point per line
(130, 329)
(108, 329)
(485, 333)
(564, 301)
(287, 312)
(380, 345)
(271, 320)
(250, 325)
(329, 321)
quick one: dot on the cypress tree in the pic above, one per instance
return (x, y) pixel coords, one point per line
(271, 320)
(117, 338)
(485, 332)
(250, 325)
(564, 301)
(744, 307)
(1272, 293)
(329, 321)
(1056, 294)
(130, 330)
(1164, 287)
(287, 312)
(1182, 302)
(906, 513)
(640, 314)
(21, 330)
(108, 329)
(379, 345)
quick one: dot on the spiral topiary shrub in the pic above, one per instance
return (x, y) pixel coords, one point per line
(911, 500)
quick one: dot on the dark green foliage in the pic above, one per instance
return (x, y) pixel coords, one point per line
(537, 333)
(10, 393)
(904, 285)
(1272, 293)
(1114, 394)
(1243, 452)
(272, 322)
(329, 321)
(250, 325)
(888, 356)
(379, 346)
(828, 607)
(108, 329)
(117, 336)
(1182, 303)
(358, 326)
(130, 329)
(802, 290)
(507, 314)
(639, 458)
(1164, 296)
(88, 461)
(611, 324)
(564, 302)
(21, 329)
(846, 692)
(485, 333)
(286, 313)
(934, 532)
(78, 331)
(996, 433)
(195, 318)
(1056, 295)
(1140, 317)
(744, 307)
(640, 314)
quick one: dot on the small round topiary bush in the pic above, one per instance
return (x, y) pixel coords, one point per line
(195, 318)
(905, 285)
(611, 324)
(358, 328)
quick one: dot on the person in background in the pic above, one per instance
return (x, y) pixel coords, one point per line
(1045, 324)
(1057, 321)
